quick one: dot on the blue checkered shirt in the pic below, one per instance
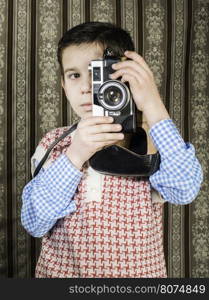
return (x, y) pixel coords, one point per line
(49, 196)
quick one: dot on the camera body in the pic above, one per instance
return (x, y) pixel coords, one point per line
(111, 97)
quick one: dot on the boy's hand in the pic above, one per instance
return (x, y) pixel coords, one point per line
(143, 88)
(91, 135)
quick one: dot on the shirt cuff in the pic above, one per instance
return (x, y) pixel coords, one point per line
(166, 137)
(61, 173)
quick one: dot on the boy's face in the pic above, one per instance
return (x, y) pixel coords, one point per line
(77, 78)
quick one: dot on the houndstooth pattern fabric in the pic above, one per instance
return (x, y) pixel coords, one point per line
(118, 236)
(60, 147)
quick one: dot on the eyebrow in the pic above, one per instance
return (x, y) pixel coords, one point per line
(71, 69)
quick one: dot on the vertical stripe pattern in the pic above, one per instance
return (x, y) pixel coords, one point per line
(173, 37)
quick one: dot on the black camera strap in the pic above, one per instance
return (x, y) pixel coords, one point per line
(67, 132)
(116, 160)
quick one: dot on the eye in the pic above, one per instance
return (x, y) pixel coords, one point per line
(73, 75)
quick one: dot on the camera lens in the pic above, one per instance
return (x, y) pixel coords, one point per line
(113, 95)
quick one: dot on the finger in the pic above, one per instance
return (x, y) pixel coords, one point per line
(132, 65)
(132, 68)
(126, 63)
(94, 120)
(129, 71)
(105, 137)
(131, 79)
(139, 59)
(101, 128)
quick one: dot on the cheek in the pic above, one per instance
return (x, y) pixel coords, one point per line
(72, 94)
(69, 90)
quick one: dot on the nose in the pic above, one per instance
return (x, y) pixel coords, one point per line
(86, 84)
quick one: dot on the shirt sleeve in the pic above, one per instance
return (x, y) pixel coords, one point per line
(48, 196)
(179, 177)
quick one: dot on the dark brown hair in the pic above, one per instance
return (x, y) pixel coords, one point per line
(105, 34)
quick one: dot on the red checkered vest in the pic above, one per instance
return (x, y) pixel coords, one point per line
(120, 235)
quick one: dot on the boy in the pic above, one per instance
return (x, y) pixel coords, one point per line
(97, 225)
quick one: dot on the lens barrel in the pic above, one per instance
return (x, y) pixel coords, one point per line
(113, 95)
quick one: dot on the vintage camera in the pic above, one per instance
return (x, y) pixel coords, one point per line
(111, 97)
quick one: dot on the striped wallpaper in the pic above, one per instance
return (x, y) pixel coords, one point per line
(172, 35)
